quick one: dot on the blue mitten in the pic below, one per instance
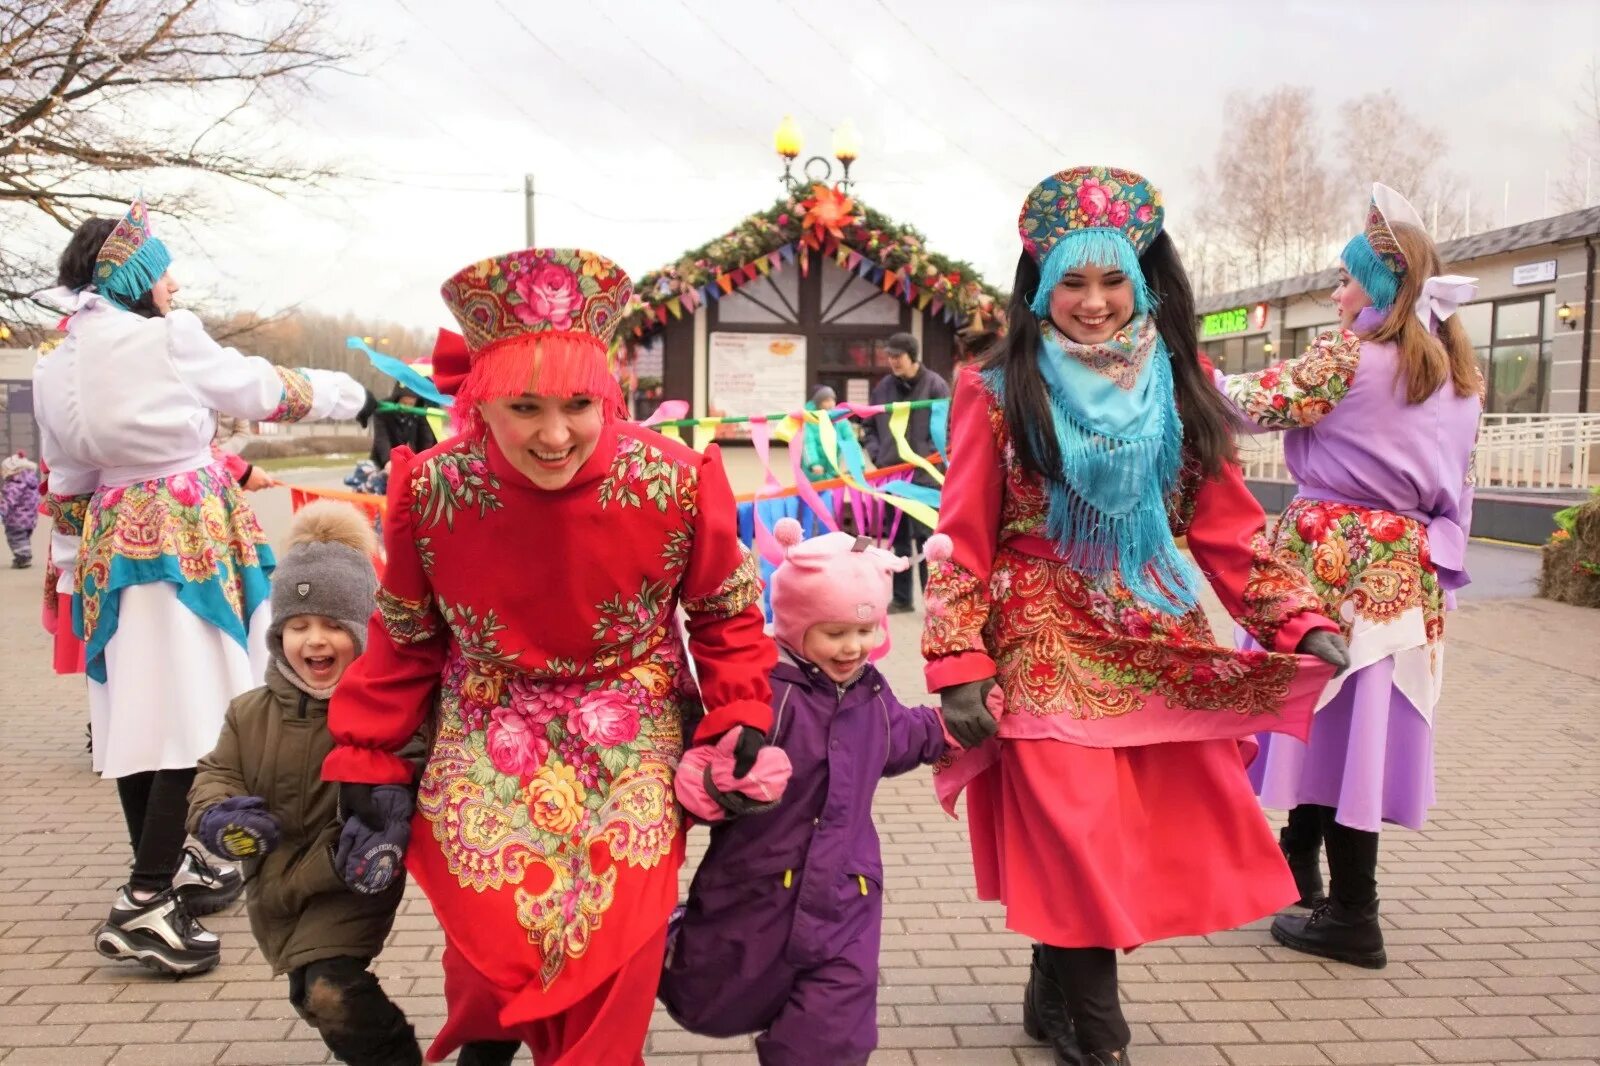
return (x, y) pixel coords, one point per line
(240, 827)
(369, 859)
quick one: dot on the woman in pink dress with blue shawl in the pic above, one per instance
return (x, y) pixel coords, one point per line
(1380, 418)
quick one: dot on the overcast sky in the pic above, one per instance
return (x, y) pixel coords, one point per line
(648, 123)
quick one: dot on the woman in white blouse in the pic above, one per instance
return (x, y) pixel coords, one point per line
(166, 564)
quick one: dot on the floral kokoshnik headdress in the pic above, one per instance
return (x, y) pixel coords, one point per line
(538, 321)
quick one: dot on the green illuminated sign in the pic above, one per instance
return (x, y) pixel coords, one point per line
(1219, 322)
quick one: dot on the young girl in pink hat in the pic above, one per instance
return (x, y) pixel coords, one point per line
(780, 935)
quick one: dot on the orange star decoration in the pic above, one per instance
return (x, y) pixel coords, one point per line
(828, 210)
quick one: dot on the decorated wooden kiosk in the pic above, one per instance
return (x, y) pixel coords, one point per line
(802, 294)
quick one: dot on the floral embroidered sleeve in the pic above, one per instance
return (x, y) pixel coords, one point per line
(66, 503)
(1226, 531)
(387, 692)
(969, 514)
(1295, 393)
(249, 387)
(721, 595)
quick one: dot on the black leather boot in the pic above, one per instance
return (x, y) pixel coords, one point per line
(1307, 869)
(1117, 1057)
(1333, 931)
(488, 1053)
(1044, 1011)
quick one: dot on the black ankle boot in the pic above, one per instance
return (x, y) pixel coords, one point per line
(1115, 1057)
(1332, 931)
(488, 1053)
(1044, 1010)
(1307, 869)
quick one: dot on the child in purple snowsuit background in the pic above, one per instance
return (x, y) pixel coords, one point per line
(780, 933)
(19, 506)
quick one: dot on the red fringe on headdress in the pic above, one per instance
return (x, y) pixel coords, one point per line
(559, 364)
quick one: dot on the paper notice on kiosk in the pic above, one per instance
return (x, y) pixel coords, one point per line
(754, 374)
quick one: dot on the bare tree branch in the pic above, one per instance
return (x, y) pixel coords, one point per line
(1580, 185)
(1270, 208)
(80, 78)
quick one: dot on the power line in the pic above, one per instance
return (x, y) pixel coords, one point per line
(650, 55)
(976, 86)
(584, 77)
(757, 67)
(1007, 181)
(465, 62)
(629, 221)
(783, 93)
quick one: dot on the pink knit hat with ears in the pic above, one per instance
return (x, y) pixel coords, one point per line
(831, 578)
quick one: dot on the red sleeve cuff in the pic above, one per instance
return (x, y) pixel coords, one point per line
(948, 671)
(1295, 629)
(366, 766)
(753, 713)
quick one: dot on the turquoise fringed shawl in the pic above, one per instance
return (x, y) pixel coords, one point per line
(1121, 450)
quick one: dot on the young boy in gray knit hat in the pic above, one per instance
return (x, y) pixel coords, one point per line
(321, 902)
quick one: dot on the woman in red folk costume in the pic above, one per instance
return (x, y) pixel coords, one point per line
(1112, 809)
(535, 566)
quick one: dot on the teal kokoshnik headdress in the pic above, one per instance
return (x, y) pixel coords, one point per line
(131, 260)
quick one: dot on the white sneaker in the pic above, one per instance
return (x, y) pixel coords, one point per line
(159, 934)
(204, 888)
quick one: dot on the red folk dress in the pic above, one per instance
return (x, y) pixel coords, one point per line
(539, 629)
(1113, 808)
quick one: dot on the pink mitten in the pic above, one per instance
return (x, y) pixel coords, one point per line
(713, 764)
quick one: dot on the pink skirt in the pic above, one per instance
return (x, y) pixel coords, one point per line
(1117, 847)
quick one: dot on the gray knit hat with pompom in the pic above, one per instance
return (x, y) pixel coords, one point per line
(326, 570)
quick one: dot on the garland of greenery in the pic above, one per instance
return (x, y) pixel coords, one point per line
(824, 222)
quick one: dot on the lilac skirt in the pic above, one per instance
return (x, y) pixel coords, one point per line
(1370, 757)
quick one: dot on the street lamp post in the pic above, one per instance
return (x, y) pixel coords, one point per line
(817, 169)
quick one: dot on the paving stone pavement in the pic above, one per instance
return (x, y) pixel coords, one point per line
(1492, 915)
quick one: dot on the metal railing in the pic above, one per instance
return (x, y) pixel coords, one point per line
(1537, 452)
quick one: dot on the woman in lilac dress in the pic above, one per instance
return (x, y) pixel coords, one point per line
(1380, 418)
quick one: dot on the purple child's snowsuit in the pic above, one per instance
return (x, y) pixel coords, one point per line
(19, 508)
(780, 934)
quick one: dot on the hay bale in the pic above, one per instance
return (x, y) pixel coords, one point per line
(1571, 564)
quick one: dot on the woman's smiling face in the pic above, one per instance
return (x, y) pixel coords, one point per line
(1092, 303)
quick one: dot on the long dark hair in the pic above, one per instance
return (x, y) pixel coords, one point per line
(76, 267)
(1207, 431)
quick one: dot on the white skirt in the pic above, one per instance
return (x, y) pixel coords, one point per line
(169, 677)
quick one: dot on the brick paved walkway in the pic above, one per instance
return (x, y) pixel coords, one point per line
(1492, 915)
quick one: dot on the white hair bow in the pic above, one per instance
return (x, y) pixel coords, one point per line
(1442, 295)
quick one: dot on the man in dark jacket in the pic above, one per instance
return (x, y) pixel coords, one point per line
(907, 379)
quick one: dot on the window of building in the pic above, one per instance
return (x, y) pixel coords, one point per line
(1255, 352)
(1302, 338)
(1511, 339)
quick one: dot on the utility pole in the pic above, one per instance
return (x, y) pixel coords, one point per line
(527, 195)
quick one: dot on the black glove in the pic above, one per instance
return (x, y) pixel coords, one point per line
(964, 713)
(356, 801)
(736, 803)
(1329, 647)
(751, 740)
(368, 408)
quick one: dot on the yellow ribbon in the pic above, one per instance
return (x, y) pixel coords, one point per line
(830, 448)
(899, 419)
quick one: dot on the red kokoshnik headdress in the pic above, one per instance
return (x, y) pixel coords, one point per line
(537, 321)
